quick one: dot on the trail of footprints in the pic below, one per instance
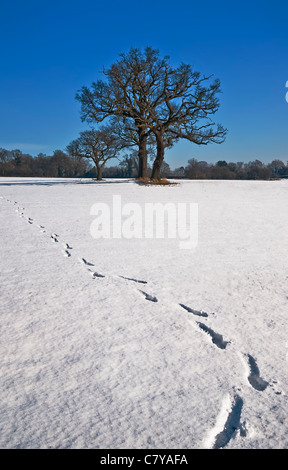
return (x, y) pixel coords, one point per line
(231, 423)
(231, 419)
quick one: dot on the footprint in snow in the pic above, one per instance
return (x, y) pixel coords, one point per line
(67, 253)
(217, 339)
(149, 297)
(95, 274)
(254, 377)
(87, 263)
(232, 422)
(195, 312)
(66, 250)
(133, 279)
(54, 237)
(83, 260)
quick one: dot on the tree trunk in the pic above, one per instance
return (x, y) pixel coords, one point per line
(99, 172)
(142, 155)
(159, 158)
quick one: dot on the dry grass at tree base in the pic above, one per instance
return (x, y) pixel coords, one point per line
(154, 182)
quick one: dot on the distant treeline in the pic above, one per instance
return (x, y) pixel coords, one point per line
(60, 164)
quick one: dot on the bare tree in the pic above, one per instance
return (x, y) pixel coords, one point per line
(98, 145)
(132, 86)
(277, 168)
(184, 112)
(154, 99)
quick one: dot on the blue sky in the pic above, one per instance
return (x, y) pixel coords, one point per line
(50, 49)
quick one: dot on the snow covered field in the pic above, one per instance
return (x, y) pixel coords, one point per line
(136, 343)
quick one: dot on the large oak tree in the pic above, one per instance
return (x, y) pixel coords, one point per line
(156, 101)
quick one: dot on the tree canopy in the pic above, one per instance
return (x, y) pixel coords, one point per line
(98, 145)
(154, 100)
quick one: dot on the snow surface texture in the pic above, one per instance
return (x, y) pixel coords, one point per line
(136, 343)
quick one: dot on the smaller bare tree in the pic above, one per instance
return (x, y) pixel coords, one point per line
(99, 145)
